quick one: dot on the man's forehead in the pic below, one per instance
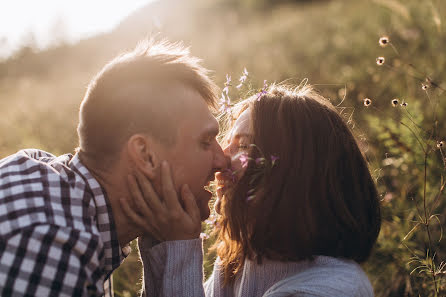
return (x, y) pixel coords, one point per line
(210, 126)
(192, 112)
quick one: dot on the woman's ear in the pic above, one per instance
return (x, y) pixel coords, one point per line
(141, 152)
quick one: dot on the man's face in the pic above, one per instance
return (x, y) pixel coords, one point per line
(196, 154)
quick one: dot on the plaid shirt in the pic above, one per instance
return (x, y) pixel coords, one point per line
(57, 234)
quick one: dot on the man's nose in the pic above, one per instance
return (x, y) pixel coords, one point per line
(221, 160)
(226, 150)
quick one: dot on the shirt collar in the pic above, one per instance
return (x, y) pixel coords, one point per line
(113, 253)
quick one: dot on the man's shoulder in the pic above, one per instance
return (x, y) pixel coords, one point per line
(46, 259)
(31, 169)
(25, 160)
(37, 187)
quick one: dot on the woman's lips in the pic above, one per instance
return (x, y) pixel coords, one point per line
(221, 180)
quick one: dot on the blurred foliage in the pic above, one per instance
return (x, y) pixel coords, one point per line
(127, 280)
(332, 43)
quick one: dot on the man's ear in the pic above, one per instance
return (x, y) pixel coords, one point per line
(141, 152)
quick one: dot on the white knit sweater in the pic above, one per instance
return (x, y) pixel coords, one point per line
(174, 268)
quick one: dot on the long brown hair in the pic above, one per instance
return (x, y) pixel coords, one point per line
(319, 199)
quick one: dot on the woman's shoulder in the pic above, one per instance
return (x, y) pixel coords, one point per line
(325, 276)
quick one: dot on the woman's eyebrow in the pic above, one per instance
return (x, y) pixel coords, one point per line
(240, 135)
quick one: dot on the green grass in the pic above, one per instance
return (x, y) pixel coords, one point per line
(332, 43)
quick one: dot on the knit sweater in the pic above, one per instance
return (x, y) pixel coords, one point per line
(174, 268)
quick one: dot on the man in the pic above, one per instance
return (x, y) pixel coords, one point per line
(62, 228)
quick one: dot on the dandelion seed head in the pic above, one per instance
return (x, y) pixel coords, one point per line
(384, 41)
(367, 102)
(395, 102)
(380, 61)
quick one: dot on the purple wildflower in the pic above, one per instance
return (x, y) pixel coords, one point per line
(228, 80)
(230, 173)
(260, 160)
(225, 103)
(263, 91)
(274, 159)
(244, 159)
(243, 78)
(204, 235)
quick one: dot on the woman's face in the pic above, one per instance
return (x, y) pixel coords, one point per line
(237, 147)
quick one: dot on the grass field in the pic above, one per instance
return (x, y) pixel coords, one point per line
(333, 44)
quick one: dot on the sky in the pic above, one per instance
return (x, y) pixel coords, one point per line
(48, 21)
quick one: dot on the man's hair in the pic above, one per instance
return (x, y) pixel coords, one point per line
(319, 199)
(125, 97)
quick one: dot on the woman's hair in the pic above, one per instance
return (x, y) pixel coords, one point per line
(318, 199)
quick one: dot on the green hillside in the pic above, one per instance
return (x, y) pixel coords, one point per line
(333, 44)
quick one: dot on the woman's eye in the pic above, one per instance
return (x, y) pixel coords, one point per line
(243, 146)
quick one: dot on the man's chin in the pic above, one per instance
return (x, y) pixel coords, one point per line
(203, 205)
(205, 212)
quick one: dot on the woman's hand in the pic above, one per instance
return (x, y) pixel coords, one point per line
(165, 219)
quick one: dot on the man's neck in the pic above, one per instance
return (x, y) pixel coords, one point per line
(115, 187)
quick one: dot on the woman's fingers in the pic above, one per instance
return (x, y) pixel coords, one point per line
(140, 221)
(219, 192)
(190, 203)
(165, 219)
(141, 206)
(149, 195)
(168, 189)
(148, 207)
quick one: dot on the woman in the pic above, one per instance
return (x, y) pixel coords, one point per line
(299, 209)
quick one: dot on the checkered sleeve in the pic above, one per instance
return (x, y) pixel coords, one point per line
(50, 260)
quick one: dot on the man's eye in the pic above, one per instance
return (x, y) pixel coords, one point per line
(206, 143)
